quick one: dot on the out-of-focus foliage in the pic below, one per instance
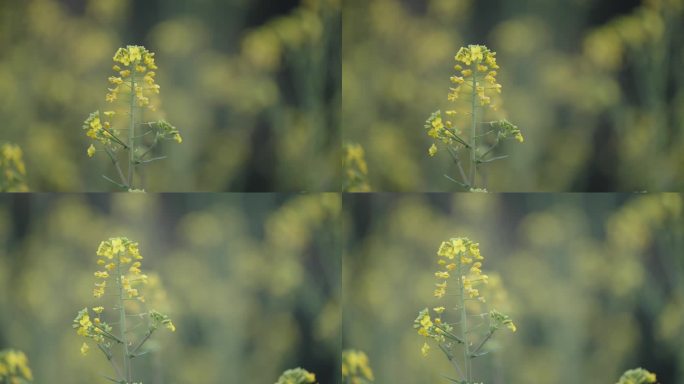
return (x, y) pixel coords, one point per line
(355, 169)
(595, 283)
(254, 86)
(14, 367)
(296, 376)
(464, 322)
(12, 169)
(637, 376)
(356, 368)
(468, 129)
(595, 86)
(252, 283)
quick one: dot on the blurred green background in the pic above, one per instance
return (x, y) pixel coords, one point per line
(595, 86)
(252, 282)
(253, 86)
(594, 282)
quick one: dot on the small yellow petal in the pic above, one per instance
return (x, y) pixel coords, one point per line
(432, 150)
(84, 349)
(424, 349)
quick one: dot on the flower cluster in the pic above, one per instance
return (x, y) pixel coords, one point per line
(474, 83)
(134, 84)
(462, 257)
(95, 329)
(12, 169)
(460, 262)
(168, 131)
(296, 376)
(507, 129)
(436, 330)
(14, 368)
(441, 130)
(498, 320)
(477, 69)
(356, 368)
(158, 319)
(135, 69)
(119, 260)
(98, 128)
(120, 255)
(637, 376)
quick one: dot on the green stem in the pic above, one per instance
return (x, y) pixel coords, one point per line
(482, 343)
(490, 148)
(113, 136)
(473, 126)
(122, 323)
(464, 325)
(454, 156)
(108, 355)
(453, 361)
(140, 344)
(115, 161)
(457, 138)
(154, 144)
(105, 333)
(131, 135)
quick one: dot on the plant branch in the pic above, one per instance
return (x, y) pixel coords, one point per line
(104, 331)
(491, 148)
(114, 182)
(140, 344)
(460, 167)
(154, 144)
(115, 161)
(492, 159)
(482, 343)
(452, 360)
(143, 162)
(108, 355)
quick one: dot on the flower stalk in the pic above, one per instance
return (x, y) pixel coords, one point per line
(476, 79)
(120, 261)
(459, 259)
(122, 322)
(134, 85)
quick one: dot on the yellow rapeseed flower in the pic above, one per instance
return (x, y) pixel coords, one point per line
(91, 150)
(442, 274)
(356, 366)
(425, 348)
(296, 376)
(14, 367)
(432, 150)
(637, 376)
